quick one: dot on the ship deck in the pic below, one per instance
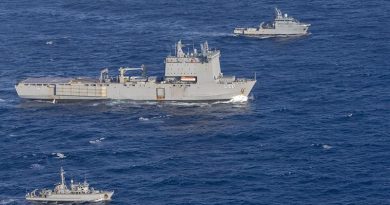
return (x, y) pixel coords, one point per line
(57, 80)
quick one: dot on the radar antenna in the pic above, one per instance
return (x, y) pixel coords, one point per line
(278, 13)
(63, 186)
(103, 75)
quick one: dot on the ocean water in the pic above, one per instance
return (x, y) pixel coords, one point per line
(315, 130)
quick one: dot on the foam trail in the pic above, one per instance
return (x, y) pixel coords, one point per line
(97, 141)
(37, 166)
(238, 99)
(212, 34)
(143, 119)
(7, 201)
(325, 146)
(59, 155)
(188, 104)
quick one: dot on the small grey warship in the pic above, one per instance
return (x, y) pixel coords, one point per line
(194, 76)
(283, 25)
(78, 193)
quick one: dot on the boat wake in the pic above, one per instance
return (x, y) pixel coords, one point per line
(58, 155)
(140, 104)
(212, 34)
(143, 119)
(97, 141)
(188, 104)
(8, 201)
(37, 166)
(238, 99)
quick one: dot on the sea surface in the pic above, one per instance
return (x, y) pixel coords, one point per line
(315, 129)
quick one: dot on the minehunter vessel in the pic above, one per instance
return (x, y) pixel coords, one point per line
(188, 77)
(283, 25)
(78, 193)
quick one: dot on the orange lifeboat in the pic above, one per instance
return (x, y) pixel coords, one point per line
(188, 78)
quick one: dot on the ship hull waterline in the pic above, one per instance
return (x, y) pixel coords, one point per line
(72, 198)
(138, 92)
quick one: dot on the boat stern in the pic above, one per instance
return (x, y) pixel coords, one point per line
(248, 87)
(106, 196)
(238, 31)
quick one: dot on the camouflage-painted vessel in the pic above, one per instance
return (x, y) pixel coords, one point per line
(188, 77)
(283, 25)
(78, 193)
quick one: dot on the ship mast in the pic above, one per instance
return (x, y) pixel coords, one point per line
(279, 14)
(62, 178)
(179, 50)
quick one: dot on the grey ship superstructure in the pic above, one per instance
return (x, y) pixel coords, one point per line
(283, 25)
(188, 77)
(78, 192)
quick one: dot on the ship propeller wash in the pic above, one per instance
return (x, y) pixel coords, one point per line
(78, 193)
(188, 76)
(282, 26)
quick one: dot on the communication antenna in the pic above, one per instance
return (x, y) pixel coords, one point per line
(175, 49)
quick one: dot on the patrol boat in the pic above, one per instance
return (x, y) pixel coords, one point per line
(188, 77)
(78, 193)
(283, 25)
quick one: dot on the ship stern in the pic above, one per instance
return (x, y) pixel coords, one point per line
(238, 31)
(248, 87)
(107, 196)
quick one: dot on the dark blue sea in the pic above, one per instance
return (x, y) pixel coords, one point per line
(315, 130)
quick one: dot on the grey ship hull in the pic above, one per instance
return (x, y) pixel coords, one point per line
(142, 91)
(72, 198)
(272, 32)
(283, 26)
(188, 77)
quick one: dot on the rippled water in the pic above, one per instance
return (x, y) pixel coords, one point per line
(316, 130)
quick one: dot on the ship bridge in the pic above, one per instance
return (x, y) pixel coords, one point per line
(196, 66)
(281, 19)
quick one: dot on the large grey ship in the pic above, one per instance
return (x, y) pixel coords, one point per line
(188, 77)
(78, 193)
(283, 25)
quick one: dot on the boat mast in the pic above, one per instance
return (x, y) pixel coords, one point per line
(62, 178)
